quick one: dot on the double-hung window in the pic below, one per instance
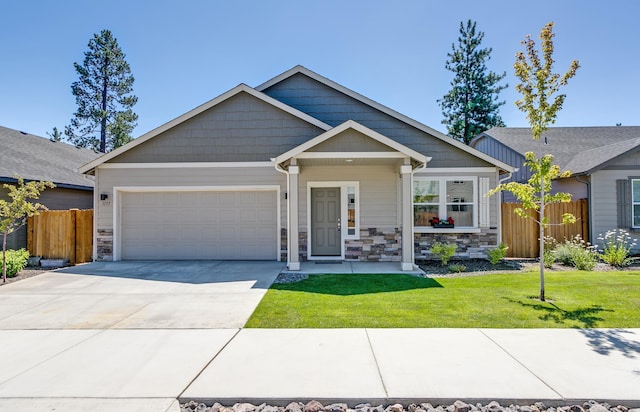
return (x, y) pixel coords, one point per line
(444, 197)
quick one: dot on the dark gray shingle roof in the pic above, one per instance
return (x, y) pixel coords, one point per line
(578, 149)
(38, 158)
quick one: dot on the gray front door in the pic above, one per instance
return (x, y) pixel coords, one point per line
(325, 221)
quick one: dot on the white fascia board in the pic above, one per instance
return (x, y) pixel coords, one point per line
(232, 188)
(455, 170)
(350, 124)
(184, 165)
(194, 112)
(386, 110)
(350, 155)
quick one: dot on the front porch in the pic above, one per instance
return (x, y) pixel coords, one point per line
(346, 267)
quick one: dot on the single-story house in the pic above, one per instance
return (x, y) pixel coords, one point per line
(38, 158)
(298, 168)
(604, 163)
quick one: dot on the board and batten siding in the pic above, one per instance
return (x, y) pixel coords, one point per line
(333, 107)
(379, 192)
(232, 177)
(242, 128)
(505, 154)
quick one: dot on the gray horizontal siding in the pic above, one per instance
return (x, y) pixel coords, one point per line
(334, 108)
(183, 177)
(243, 128)
(379, 198)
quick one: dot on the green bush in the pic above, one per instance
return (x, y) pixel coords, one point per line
(457, 268)
(443, 251)
(16, 261)
(549, 258)
(617, 245)
(497, 254)
(577, 253)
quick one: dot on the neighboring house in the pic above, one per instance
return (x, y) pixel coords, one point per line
(298, 168)
(38, 158)
(604, 164)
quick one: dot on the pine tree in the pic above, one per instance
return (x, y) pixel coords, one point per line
(472, 105)
(104, 119)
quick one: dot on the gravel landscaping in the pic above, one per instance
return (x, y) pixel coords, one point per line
(457, 406)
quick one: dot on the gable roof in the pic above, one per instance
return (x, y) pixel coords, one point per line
(350, 124)
(242, 88)
(38, 158)
(384, 109)
(577, 149)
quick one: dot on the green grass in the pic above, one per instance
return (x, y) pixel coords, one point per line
(574, 300)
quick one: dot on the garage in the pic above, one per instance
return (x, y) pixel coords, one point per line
(209, 225)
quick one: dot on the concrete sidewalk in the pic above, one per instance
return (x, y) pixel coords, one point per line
(437, 365)
(146, 370)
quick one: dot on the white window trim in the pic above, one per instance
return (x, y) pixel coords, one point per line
(442, 205)
(633, 204)
(343, 216)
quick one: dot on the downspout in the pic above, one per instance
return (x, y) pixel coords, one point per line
(500, 181)
(279, 169)
(588, 183)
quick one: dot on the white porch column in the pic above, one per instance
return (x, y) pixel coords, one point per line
(407, 213)
(293, 254)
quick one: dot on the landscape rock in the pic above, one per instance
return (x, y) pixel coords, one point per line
(313, 406)
(459, 406)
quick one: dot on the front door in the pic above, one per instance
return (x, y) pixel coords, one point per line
(325, 221)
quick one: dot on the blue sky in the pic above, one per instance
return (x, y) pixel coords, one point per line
(184, 53)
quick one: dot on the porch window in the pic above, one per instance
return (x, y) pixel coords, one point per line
(444, 198)
(635, 195)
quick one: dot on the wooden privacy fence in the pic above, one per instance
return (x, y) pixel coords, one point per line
(521, 235)
(61, 234)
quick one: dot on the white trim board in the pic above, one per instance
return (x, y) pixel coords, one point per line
(183, 165)
(117, 207)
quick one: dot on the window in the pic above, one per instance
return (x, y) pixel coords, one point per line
(447, 197)
(351, 211)
(635, 196)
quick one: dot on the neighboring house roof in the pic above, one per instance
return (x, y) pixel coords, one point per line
(258, 93)
(580, 150)
(38, 158)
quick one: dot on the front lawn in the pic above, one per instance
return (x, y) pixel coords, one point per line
(574, 300)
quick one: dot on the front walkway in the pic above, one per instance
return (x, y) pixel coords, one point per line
(345, 267)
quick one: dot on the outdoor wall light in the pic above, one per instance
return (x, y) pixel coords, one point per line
(104, 196)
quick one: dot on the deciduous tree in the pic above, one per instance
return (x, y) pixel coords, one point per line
(15, 212)
(104, 119)
(472, 104)
(541, 101)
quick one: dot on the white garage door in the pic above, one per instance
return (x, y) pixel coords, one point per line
(234, 225)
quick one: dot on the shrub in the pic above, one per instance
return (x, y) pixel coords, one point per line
(16, 261)
(457, 268)
(577, 253)
(549, 258)
(497, 254)
(443, 251)
(616, 247)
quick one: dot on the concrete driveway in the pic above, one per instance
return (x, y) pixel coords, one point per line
(138, 295)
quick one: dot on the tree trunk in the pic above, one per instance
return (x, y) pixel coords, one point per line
(542, 238)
